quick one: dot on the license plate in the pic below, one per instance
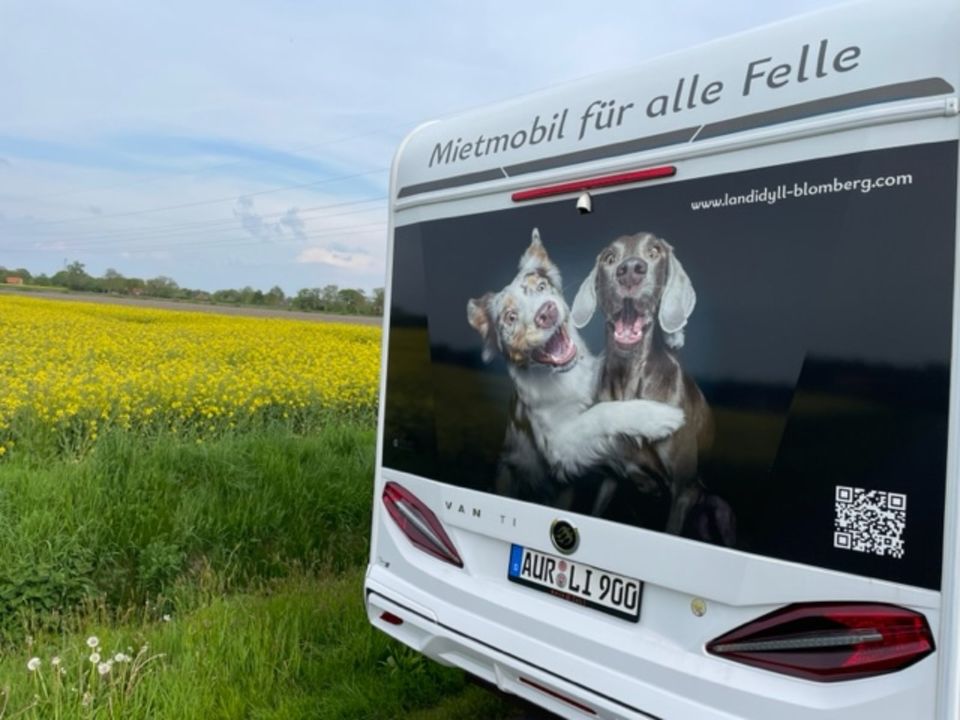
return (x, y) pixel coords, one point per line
(575, 581)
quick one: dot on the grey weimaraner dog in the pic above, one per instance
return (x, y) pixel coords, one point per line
(646, 298)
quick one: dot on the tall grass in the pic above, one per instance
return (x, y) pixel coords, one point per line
(237, 564)
(300, 649)
(132, 520)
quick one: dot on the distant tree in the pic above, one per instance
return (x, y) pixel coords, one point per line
(274, 296)
(228, 295)
(351, 301)
(246, 295)
(161, 286)
(329, 298)
(308, 299)
(77, 278)
(74, 276)
(134, 286)
(113, 281)
(376, 304)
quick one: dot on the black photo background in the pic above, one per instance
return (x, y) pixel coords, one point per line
(821, 340)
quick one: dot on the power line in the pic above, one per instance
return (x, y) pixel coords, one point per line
(216, 225)
(124, 242)
(212, 201)
(238, 242)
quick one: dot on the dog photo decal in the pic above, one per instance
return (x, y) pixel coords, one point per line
(709, 371)
(646, 298)
(581, 424)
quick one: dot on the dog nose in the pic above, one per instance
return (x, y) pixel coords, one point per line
(631, 271)
(547, 315)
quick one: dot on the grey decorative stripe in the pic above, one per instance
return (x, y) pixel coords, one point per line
(674, 137)
(928, 87)
(885, 93)
(451, 182)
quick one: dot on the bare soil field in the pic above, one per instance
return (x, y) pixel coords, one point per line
(200, 307)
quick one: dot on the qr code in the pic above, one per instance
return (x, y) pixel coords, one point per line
(870, 521)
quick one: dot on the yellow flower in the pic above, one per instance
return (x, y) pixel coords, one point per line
(80, 369)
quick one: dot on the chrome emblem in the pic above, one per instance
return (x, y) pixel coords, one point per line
(564, 536)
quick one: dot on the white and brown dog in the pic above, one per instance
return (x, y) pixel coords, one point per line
(556, 429)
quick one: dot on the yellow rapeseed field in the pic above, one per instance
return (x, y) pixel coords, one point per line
(74, 369)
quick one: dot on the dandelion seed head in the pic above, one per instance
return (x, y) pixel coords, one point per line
(33, 664)
(103, 668)
(93, 641)
(95, 658)
(55, 660)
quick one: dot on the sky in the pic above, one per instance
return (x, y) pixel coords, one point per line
(233, 143)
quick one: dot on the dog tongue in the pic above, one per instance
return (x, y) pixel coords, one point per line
(628, 328)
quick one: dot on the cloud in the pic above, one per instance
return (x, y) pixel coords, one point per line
(251, 221)
(4, 161)
(336, 258)
(288, 225)
(95, 209)
(292, 222)
(341, 247)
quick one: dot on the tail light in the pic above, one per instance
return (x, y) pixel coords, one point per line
(830, 641)
(419, 523)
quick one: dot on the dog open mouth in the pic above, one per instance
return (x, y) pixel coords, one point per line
(628, 325)
(558, 351)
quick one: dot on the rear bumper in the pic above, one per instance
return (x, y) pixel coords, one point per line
(508, 673)
(547, 673)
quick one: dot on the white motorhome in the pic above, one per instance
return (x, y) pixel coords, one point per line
(668, 422)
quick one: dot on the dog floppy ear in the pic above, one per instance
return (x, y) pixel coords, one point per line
(481, 319)
(536, 260)
(585, 303)
(677, 301)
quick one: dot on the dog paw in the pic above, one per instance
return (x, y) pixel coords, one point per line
(660, 421)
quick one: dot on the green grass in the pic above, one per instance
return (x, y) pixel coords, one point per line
(252, 545)
(34, 288)
(301, 648)
(132, 519)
